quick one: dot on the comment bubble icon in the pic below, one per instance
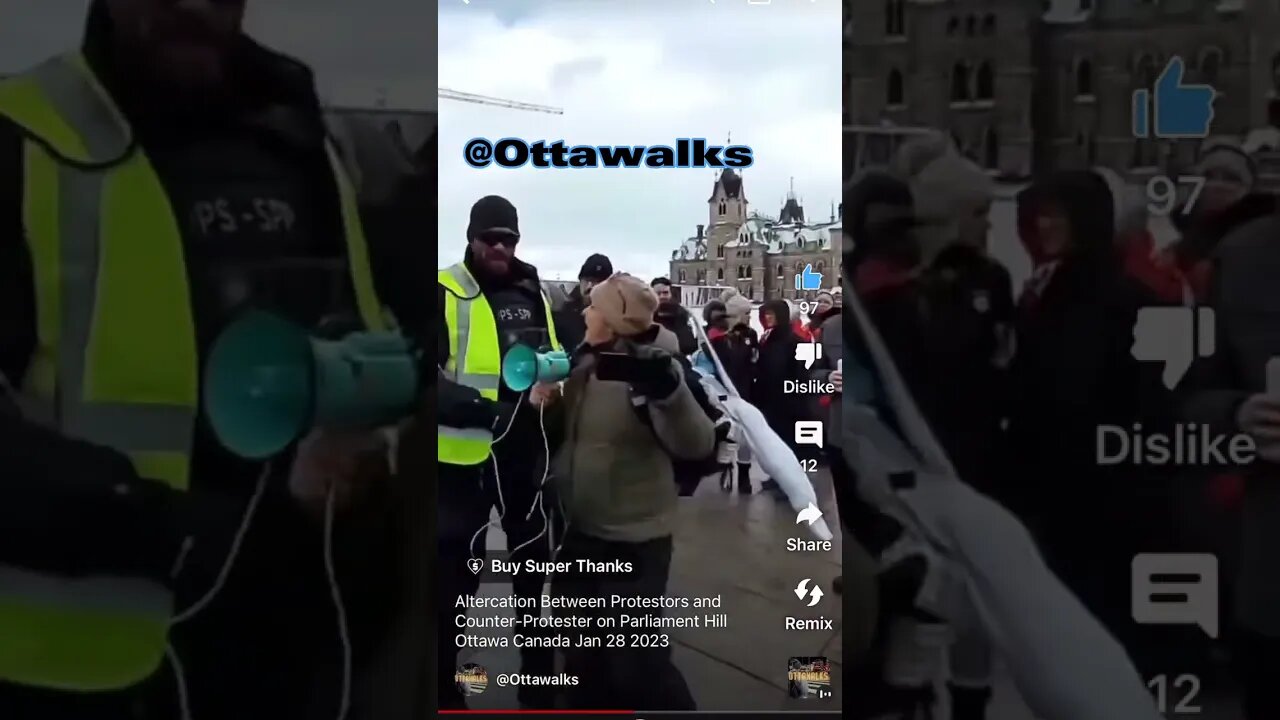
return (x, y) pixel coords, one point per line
(1176, 589)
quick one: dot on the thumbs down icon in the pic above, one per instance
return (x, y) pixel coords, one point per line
(1174, 336)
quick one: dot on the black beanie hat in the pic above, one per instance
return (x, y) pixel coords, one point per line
(596, 268)
(493, 213)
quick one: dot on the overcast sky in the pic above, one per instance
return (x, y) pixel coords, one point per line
(637, 73)
(355, 46)
(625, 71)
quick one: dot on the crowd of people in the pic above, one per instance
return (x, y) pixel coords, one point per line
(1015, 383)
(605, 454)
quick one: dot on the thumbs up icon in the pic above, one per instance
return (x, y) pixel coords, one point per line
(808, 279)
(1181, 111)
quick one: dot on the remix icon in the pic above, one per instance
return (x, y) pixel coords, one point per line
(815, 593)
(471, 679)
(808, 678)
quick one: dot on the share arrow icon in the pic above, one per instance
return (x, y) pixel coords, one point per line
(810, 515)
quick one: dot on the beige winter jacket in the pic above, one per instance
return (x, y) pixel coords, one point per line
(613, 472)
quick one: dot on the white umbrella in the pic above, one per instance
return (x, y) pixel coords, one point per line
(989, 575)
(774, 456)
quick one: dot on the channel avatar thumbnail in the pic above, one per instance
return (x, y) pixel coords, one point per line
(472, 679)
(808, 677)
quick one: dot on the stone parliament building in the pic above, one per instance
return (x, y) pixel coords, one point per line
(1029, 86)
(754, 253)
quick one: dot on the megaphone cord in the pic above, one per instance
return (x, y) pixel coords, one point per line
(179, 680)
(538, 503)
(225, 572)
(497, 482)
(335, 590)
(179, 674)
(331, 574)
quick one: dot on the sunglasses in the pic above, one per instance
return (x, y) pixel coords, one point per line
(494, 239)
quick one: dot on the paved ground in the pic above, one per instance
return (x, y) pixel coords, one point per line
(733, 547)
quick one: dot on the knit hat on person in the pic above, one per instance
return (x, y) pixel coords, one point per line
(493, 214)
(738, 309)
(946, 191)
(1130, 203)
(713, 308)
(597, 268)
(627, 304)
(1227, 156)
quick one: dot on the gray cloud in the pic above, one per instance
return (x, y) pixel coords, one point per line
(625, 71)
(658, 71)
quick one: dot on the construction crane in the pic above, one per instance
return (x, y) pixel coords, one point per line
(448, 94)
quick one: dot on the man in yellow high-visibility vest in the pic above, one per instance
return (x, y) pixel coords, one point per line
(489, 302)
(155, 183)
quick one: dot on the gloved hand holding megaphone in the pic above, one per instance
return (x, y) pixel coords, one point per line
(269, 383)
(535, 371)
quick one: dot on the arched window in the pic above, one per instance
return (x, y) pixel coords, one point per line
(986, 83)
(722, 208)
(741, 273)
(895, 92)
(719, 251)
(781, 270)
(682, 276)
(989, 24)
(1211, 62)
(748, 271)
(895, 18)
(1084, 79)
(719, 274)
(971, 25)
(953, 25)
(1145, 72)
(991, 149)
(960, 83)
(821, 267)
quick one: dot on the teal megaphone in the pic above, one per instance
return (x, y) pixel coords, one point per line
(523, 367)
(268, 382)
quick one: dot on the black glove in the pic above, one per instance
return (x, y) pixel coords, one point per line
(657, 378)
(463, 407)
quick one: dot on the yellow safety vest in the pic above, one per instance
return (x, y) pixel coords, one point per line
(116, 360)
(475, 359)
